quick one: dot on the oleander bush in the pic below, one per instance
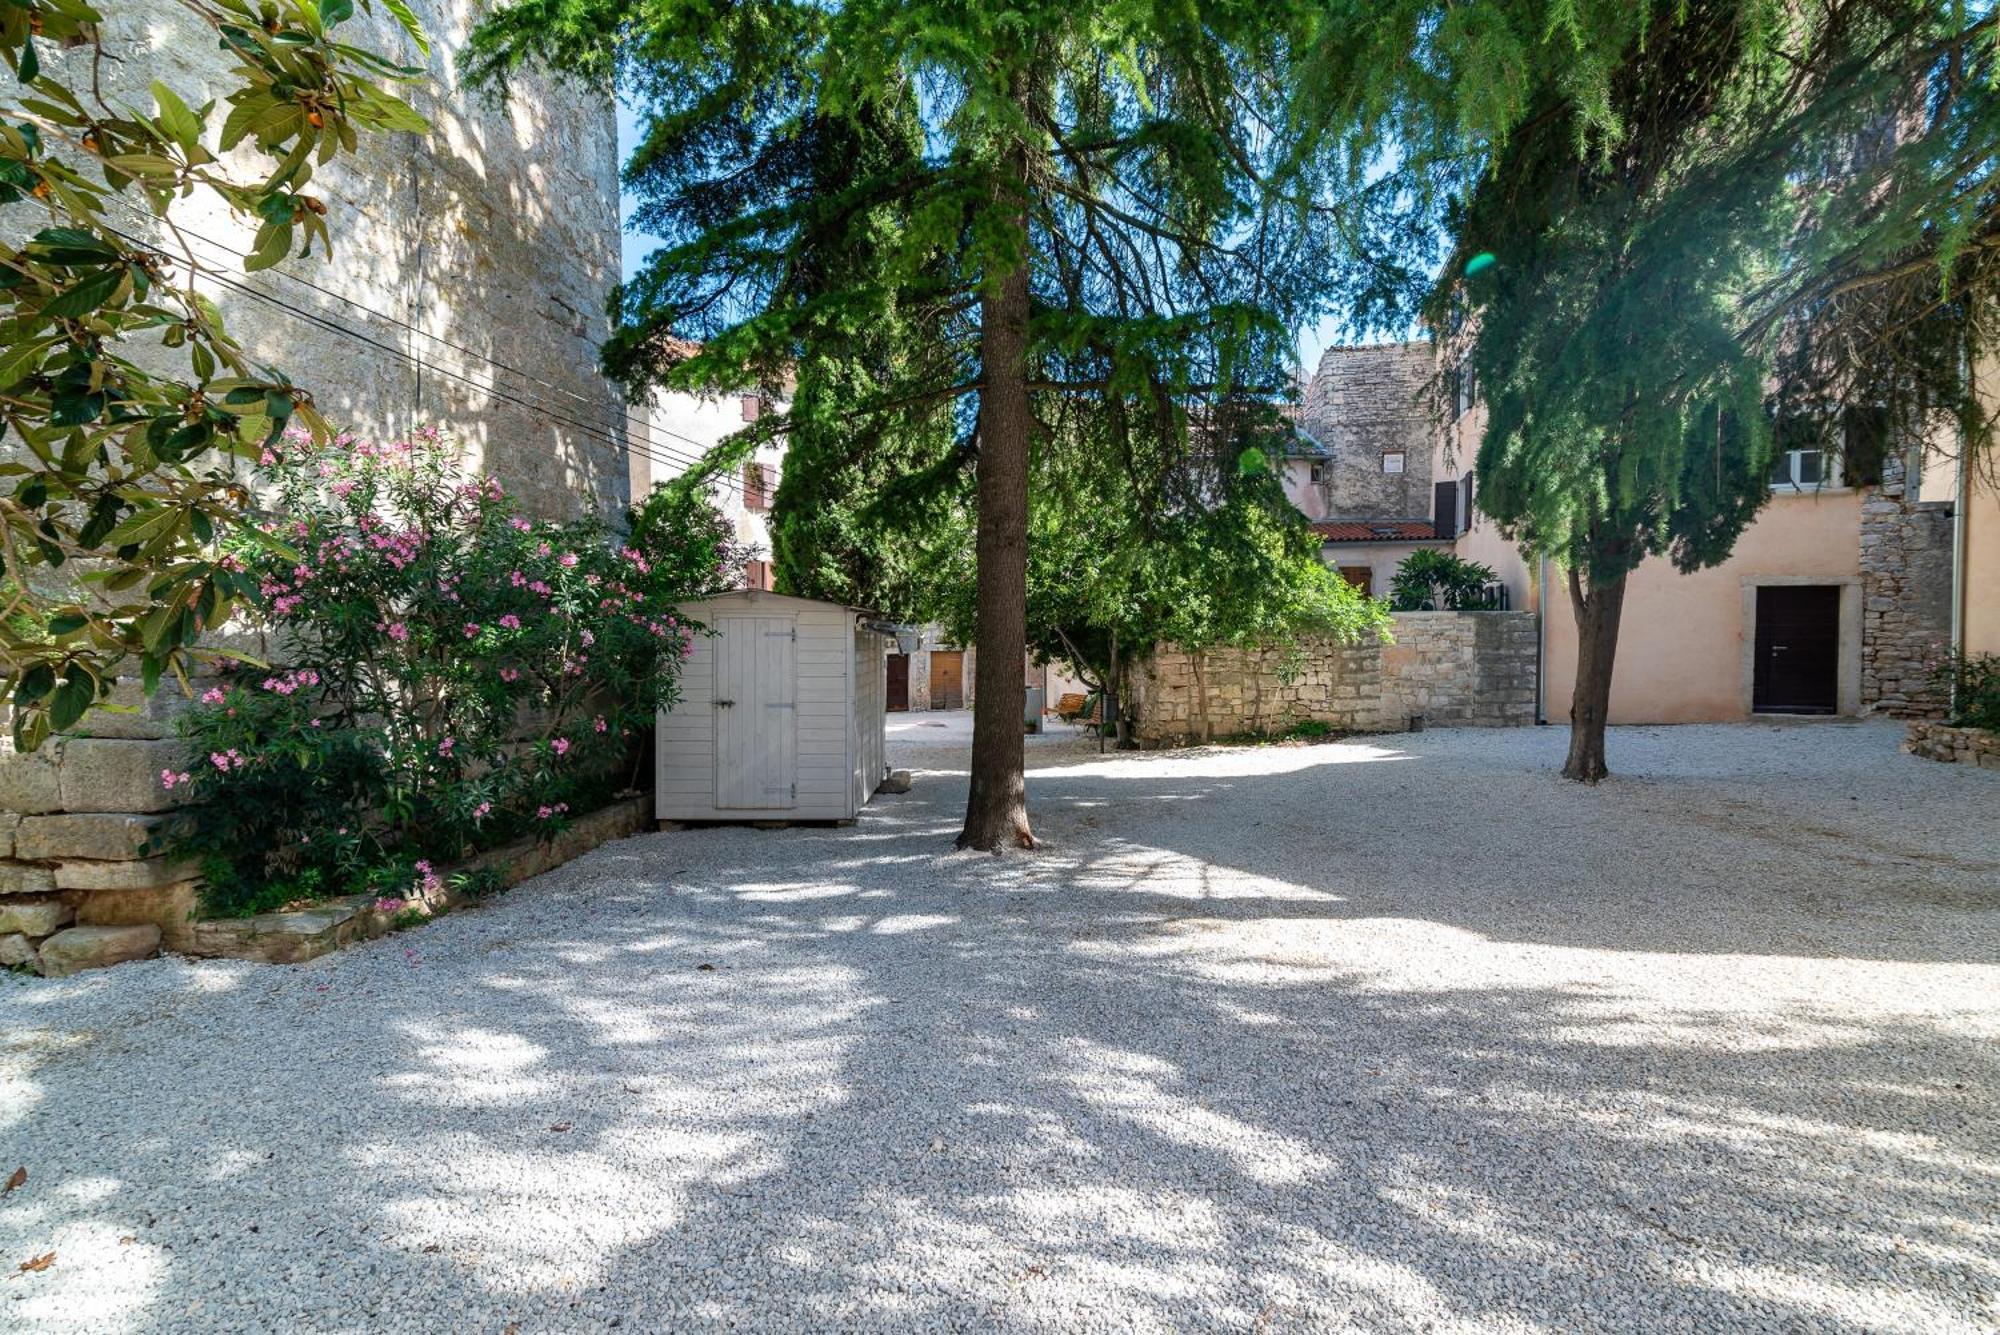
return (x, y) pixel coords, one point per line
(456, 675)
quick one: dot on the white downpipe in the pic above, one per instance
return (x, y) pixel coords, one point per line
(1542, 641)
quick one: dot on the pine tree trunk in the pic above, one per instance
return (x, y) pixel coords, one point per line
(996, 808)
(1597, 612)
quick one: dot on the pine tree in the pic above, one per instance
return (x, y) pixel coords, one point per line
(1675, 227)
(1090, 224)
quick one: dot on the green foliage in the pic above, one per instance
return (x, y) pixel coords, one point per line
(1972, 683)
(1431, 580)
(690, 546)
(460, 676)
(122, 467)
(1208, 554)
(1655, 285)
(834, 183)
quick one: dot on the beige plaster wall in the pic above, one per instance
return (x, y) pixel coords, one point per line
(1683, 648)
(1456, 446)
(1981, 588)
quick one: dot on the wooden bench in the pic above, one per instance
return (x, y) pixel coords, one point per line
(1080, 709)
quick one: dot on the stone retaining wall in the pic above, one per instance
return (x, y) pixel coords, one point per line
(1455, 669)
(77, 819)
(1964, 746)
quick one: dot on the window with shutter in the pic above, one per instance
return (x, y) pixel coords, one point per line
(1444, 509)
(753, 486)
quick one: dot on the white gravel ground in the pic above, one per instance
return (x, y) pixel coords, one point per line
(1400, 1034)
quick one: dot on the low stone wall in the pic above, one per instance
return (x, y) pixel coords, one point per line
(77, 820)
(1964, 746)
(1455, 669)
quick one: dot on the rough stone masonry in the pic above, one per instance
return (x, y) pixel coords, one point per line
(1451, 669)
(1906, 595)
(466, 290)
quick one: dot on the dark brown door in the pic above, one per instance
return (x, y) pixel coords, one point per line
(1797, 668)
(947, 679)
(899, 683)
(1361, 577)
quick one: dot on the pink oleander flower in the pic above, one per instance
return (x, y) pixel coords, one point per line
(472, 630)
(567, 560)
(212, 696)
(510, 674)
(587, 638)
(481, 811)
(171, 780)
(511, 622)
(561, 745)
(540, 588)
(516, 578)
(543, 813)
(313, 724)
(444, 747)
(398, 631)
(520, 523)
(599, 724)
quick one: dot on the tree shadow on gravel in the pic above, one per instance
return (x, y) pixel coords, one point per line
(1176, 1073)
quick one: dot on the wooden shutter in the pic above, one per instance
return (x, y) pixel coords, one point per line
(1444, 509)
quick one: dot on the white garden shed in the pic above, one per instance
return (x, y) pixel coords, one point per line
(781, 715)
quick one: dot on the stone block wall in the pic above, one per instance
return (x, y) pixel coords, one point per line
(76, 841)
(1455, 669)
(1906, 595)
(1963, 746)
(1365, 401)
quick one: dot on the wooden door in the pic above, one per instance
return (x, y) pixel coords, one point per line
(898, 698)
(756, 713)
(1797, 664)
(947, 679)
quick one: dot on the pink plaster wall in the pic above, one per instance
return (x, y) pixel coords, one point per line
(1681, 645)
(1982, 568)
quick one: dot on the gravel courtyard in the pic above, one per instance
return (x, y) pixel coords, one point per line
(1400, 1034)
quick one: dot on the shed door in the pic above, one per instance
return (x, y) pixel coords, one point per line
(899, 682)
(1797, 668)
(756, 713)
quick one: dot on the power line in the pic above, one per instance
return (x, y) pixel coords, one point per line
(652, 451)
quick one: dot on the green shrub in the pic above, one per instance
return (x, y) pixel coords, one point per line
(1430, 580)
(1973, 685)
(457, 675)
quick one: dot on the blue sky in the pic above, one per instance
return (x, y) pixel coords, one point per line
(636, 246)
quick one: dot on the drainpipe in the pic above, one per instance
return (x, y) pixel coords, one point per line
(1542, 642)
(1960, 538)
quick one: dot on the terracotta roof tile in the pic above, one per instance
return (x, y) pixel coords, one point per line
(1374, 530)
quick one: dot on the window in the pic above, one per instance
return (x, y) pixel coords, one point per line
(1361, 577)
(1318, 472)
(753, 407)
(1392, 461)
(757, 575)
(753, 486)
(1804, 469)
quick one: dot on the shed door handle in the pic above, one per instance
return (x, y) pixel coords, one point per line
(724, 704)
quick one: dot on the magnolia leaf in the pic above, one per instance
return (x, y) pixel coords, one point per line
(86, 296)
(176, 118)
(407, 17)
